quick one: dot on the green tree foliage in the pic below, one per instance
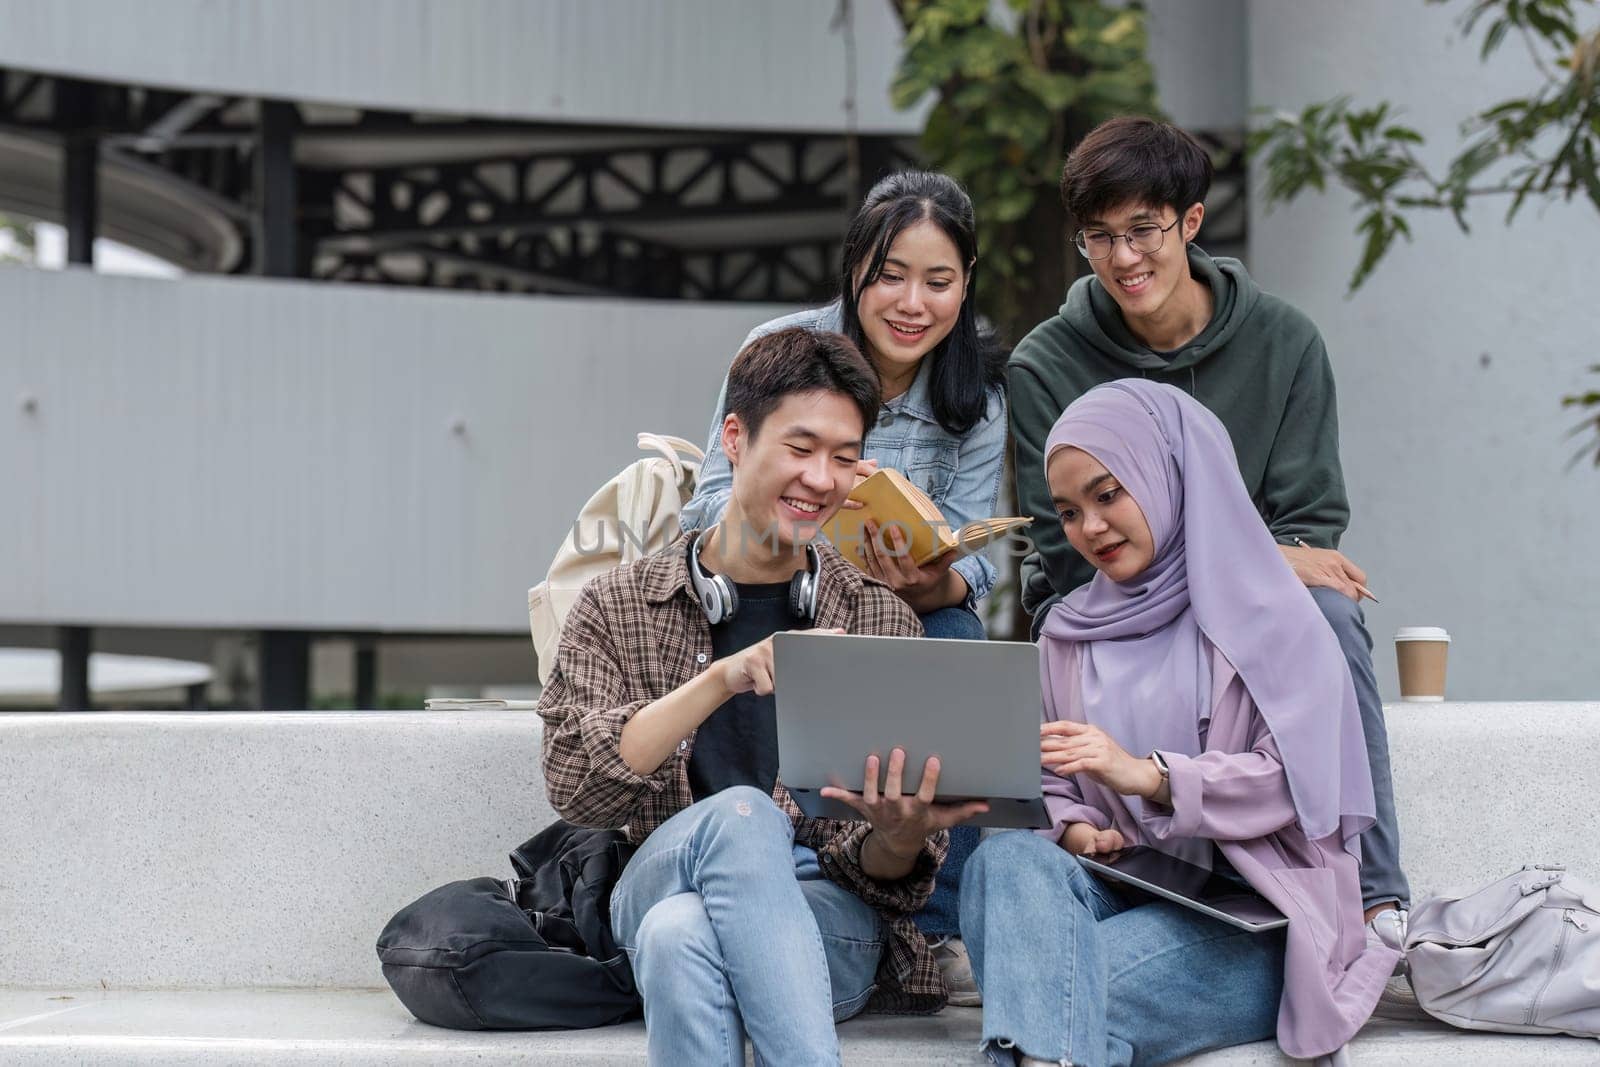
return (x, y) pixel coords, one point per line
(1543, 145)
(16, 240)
(1014, 87)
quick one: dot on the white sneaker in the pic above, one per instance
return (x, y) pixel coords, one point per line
(1398, 1000)
(1389, 927)
(950, 953)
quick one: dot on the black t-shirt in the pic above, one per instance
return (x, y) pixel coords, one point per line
(738, 744)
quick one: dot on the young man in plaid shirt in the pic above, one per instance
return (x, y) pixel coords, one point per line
(738, 913)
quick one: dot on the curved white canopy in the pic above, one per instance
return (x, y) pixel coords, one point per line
(34, 674)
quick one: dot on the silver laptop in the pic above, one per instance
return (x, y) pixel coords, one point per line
(974, 704)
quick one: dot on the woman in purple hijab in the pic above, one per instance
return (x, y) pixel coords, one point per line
(1194, 702)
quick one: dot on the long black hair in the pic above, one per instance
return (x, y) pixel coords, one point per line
(968, 362)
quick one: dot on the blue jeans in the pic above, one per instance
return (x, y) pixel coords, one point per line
(1381, 877)
(732, 928)
(940, 917)
(1083, 976)
(957, 621)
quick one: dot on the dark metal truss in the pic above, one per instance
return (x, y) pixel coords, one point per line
(567, 222)
(580, 261)
(586, 221)
(200, 144)
(622, 221)
(146, 121)
(743, 178)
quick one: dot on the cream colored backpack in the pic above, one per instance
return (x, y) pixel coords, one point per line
(632, 516)
(1521, 955)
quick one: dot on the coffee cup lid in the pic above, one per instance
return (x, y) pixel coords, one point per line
(1421, 633)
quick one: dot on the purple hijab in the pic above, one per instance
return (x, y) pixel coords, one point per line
(1217, 576)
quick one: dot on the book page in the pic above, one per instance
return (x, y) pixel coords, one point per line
(975, 536)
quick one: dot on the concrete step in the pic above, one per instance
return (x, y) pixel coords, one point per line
(205, 850)
(230, 854)
(273, 1028)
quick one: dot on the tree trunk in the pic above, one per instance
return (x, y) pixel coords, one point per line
(1055, 264)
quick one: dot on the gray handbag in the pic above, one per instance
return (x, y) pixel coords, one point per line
(1521, 955)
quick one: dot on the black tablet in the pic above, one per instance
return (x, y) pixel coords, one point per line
(1184, 883)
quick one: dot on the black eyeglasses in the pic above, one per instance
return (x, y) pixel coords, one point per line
(1143, 239)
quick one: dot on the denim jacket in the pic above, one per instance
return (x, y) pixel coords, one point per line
(960, 474)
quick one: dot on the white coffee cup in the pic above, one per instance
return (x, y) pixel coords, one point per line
(1422, 653)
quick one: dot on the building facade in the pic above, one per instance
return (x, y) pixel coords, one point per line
(559, 220)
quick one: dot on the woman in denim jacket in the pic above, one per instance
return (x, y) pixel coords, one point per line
(908, 274)
(910, 258)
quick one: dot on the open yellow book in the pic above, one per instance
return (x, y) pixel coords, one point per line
(891, 500)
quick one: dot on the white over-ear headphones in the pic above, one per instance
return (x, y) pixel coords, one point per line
(720, 601)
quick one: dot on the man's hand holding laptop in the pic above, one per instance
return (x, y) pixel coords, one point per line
(901, 822)
(911, 705)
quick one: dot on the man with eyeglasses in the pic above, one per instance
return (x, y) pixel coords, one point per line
(1158, 307)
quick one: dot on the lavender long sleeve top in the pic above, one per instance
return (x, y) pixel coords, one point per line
(1235, 793)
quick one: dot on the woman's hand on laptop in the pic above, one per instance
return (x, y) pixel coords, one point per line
(901, 822)
(1083, 839)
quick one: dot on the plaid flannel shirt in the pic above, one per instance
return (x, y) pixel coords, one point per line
(638, 633)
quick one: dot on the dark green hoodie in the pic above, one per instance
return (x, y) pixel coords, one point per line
(1259, 365)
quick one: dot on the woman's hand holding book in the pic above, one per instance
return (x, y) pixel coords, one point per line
(927, 587)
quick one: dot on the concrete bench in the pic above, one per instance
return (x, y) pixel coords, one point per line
(207, 887)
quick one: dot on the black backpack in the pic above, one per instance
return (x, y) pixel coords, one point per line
(533, 952)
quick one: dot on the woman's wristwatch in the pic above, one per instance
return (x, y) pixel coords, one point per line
(1161, 766)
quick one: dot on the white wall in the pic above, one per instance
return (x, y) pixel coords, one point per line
(1198, 50)
(226, 452)
(714, 64)
(1451, 362)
